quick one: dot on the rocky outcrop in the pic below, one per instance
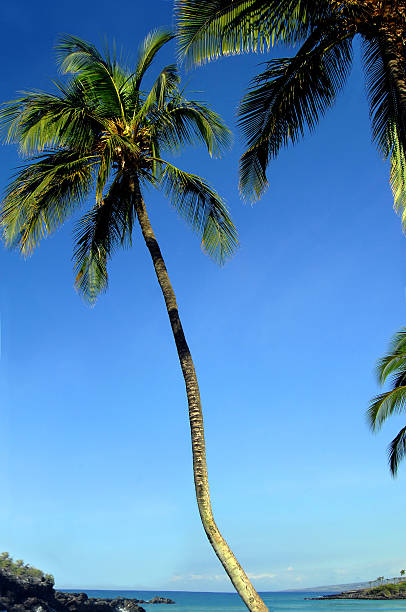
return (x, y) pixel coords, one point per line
(37, 594)
(68, 602)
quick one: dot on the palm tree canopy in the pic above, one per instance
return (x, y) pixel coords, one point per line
(102, 135)
(392, 366)
(292, 93)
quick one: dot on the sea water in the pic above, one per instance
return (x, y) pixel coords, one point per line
(186, 601)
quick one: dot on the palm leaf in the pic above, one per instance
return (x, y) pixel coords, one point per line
(147, 52)
(43, 195)
(82, 59)
(203, 209)
(385, 405)
(97, 235)
(39, 120)
(395, 361)
(190, 122)
(163, 89)
(208, 29)
(288, 97)
(388, 118)
(397, 451)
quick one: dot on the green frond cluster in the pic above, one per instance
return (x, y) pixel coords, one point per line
(393, 401)
(397, 450)
(191, 122)
(208, 29)
(98, 233)
(385, 405)
(97, 135)
(292, 93)
(394, 363)
(203, 209)
(387, 116)
(43, 195)
(285, 99)
(397, 178)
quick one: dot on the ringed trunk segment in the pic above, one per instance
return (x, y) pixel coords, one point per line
(234, 570)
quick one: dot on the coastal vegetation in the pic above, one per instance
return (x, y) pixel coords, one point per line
(389, 590)
(22, 570)
(101, 134)
(392, 402)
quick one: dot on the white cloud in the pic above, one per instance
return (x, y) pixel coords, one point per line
(289, 569)
(188, 577)
(261, 576)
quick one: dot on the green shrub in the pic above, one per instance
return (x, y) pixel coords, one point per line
(22, 570)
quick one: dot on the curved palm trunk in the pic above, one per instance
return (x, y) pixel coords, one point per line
(227, 558)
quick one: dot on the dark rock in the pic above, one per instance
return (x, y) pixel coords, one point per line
(22, 594)
(160, 600)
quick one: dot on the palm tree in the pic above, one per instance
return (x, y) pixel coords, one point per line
(102, 135)
(402, 572)
(292, 93)
(392, 401)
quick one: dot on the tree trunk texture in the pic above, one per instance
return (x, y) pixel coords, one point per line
(234, 570)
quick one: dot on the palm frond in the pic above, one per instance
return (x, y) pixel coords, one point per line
(82, 59)
(208, 29)
(190, 122)
(40, 121)
(163, 89)
(43, 195)
(385, 405)
(288, 97)
(395, 361)
(147, 52)
(388, 116)
(397, 451)
(394, 401)
(97, 235)
(397, 178)
(203, 209)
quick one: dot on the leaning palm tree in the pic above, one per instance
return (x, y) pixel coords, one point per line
(292, 93)
(102, 135)
(393, 401)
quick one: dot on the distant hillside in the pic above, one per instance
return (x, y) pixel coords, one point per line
(334, 588)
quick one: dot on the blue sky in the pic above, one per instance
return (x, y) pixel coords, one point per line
(97, 480)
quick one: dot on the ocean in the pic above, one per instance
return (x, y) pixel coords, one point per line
(230, 602)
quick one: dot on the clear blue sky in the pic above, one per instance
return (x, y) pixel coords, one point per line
(96, 475)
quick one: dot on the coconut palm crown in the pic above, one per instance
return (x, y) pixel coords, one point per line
(292, 93)
(393, 401)
(101, 135)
